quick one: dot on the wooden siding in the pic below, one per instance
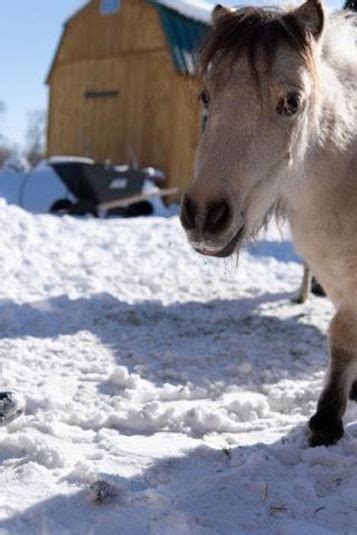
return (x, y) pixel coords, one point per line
(155, 112)
(91, 35)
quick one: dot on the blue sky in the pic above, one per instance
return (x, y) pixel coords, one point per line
(29, 32)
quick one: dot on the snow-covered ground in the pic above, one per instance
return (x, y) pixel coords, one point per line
(35, 191)
(181, 382)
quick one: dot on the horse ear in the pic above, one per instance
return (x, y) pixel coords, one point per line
(218, 13)
(312, 15)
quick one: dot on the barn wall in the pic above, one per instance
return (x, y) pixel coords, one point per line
(91, 35)
(155, 112)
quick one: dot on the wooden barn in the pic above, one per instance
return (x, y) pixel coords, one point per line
(121, 80)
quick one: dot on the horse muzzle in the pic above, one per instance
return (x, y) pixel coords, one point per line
(222, 252)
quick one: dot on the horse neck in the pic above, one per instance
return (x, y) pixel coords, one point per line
(336, 120)
(331, 145)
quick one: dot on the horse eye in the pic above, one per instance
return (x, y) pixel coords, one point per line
(289, 105)
(204, 98)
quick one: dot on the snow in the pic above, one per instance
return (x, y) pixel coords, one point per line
(194, 9)
(166, 393)
(36, 191)
(201, 9)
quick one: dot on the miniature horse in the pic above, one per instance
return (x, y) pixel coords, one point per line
(281, 92)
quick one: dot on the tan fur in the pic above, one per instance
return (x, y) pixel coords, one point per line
(305, 288)
(343, 332)
(251, 158)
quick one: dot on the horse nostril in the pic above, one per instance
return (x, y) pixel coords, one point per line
(188, 214)
(218, 217)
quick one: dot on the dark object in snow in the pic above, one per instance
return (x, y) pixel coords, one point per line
(102, 492)
(10, 408)
(105, 189)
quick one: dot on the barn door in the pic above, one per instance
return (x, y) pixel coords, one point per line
(102, 110)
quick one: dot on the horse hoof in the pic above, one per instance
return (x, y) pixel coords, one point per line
(324, 435)
(11, 407)
(322, 439)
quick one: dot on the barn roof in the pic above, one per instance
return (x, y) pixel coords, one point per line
(184, 35)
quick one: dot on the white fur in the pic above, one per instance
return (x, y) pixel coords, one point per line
(253, 156)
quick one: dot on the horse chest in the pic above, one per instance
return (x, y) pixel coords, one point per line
(309, 234)
(329, 254)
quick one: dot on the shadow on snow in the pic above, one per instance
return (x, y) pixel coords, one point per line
(282, 251)
(284, 487)
(203, 343)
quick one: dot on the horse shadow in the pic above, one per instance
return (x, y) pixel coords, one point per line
(201, 343)
(282, 487)
(283, 251)
(204, 491)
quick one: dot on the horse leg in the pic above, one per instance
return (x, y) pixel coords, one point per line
(305, 288)
(326, 425)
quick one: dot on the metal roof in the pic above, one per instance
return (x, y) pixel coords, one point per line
(184, 36)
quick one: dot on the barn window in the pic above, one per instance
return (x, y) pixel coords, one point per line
(110, 6)
(109, 93)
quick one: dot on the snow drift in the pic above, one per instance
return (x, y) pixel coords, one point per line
(166, 393)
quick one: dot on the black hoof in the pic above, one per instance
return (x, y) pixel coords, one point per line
(10, 408)
(324, 432)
